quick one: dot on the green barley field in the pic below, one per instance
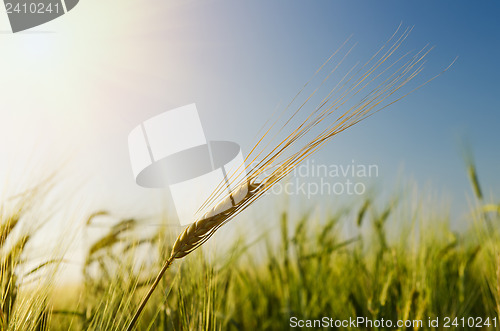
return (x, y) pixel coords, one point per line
(406, 264)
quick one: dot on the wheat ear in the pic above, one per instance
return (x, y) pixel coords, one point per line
(384, 78)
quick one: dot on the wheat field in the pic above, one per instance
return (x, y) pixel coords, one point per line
(408, 265)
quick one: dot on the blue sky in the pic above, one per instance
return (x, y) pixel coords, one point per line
(252, 56)
(238, 61)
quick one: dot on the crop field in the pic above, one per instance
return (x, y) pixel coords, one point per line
(407, 265)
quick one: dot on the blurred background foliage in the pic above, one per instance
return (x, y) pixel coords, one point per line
(405, 263)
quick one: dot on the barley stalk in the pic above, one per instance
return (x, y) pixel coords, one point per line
(378, 76)
(193, 237)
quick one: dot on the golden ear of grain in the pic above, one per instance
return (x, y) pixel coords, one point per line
(380, 78)
(200, 231)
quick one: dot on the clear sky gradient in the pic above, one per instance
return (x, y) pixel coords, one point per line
(72, 89)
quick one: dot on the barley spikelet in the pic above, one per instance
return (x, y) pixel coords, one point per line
(200, 231)
(374, 85)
